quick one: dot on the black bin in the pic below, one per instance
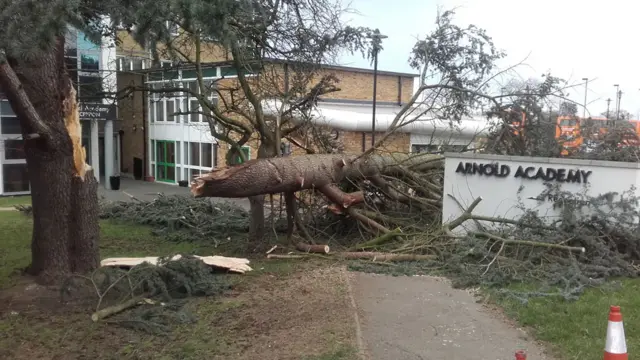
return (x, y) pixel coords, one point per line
(114, 181)
(137, 168)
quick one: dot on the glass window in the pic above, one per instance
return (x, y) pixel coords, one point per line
(10, 125)
(194, 152)
(160, 155)
(125, 63)
(194, 110)
(194, 173)
(15, 178)
(186, 153)
(215, 155)
(162, 173)
(152, 111)
(193, 86)
(71, 62)
(171, 110)
(568, 122)
(153, 150)
(5, 108)
(178, 158)
(207, 155)
(90, 87)
(89, 62)
(137, 64)
(159, 110)
(14, 149)
(171, 173)
(170, 148)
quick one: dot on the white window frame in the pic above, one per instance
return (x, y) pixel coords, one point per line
(174, 29)
(3, 160)
(187, 158)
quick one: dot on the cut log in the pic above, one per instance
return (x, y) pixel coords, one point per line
(295, 173)
(316, 249)
(238, 265)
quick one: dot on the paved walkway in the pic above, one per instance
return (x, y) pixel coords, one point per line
(403, 318)
(148, 191)
(421, 317)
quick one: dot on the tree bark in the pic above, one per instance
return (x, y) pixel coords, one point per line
(65, 201)
(257, 228)
(295, 173)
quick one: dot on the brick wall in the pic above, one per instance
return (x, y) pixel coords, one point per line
(354, 84)
(397, 142)
(131, 113)
(358, 85)
(127, 46)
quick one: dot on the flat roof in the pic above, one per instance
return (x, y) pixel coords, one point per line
(325, 66)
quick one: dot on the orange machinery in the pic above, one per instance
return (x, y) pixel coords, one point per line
(572, 131)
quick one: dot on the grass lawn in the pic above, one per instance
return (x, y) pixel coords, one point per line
(577, 329)
(260, 319)
(9, 201)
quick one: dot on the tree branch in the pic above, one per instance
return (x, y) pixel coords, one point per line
(20, 102)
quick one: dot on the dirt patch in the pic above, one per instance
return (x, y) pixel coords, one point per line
(300, 313)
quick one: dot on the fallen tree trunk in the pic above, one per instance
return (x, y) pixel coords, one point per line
(291, 174)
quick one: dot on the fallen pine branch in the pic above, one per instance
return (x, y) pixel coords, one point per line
(377, 256)
(378, 240)
(287, 256)
(118, 308)
(528, 242)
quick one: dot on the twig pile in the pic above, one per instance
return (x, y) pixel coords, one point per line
(182, 218)
(147, 297)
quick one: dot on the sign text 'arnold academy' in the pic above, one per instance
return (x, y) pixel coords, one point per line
(526, 172)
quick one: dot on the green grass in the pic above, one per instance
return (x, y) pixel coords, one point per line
(9, 201)
(577, 329)
(117, 239)
(339, 353)
(40, 328)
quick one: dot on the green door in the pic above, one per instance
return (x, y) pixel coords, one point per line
(166, 161)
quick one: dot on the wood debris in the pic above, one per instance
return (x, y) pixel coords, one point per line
(237, 265)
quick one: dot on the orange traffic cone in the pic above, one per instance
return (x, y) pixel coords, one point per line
(521, 355)
(616, 346)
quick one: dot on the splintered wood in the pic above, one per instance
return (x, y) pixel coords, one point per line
(237, 265)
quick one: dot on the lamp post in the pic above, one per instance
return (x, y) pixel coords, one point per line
(617, 86)
(619, 101)
(586, 87)
(376, 40)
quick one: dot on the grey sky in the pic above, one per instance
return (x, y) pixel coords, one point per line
(571, 38)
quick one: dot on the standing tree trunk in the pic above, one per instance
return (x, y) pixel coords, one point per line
(63, 187)
(257, 224)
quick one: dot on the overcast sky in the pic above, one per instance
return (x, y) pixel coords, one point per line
(571, 38)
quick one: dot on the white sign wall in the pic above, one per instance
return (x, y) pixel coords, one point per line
(498, 179)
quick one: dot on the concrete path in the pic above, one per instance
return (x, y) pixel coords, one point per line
(420, 317)
(148, 191)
